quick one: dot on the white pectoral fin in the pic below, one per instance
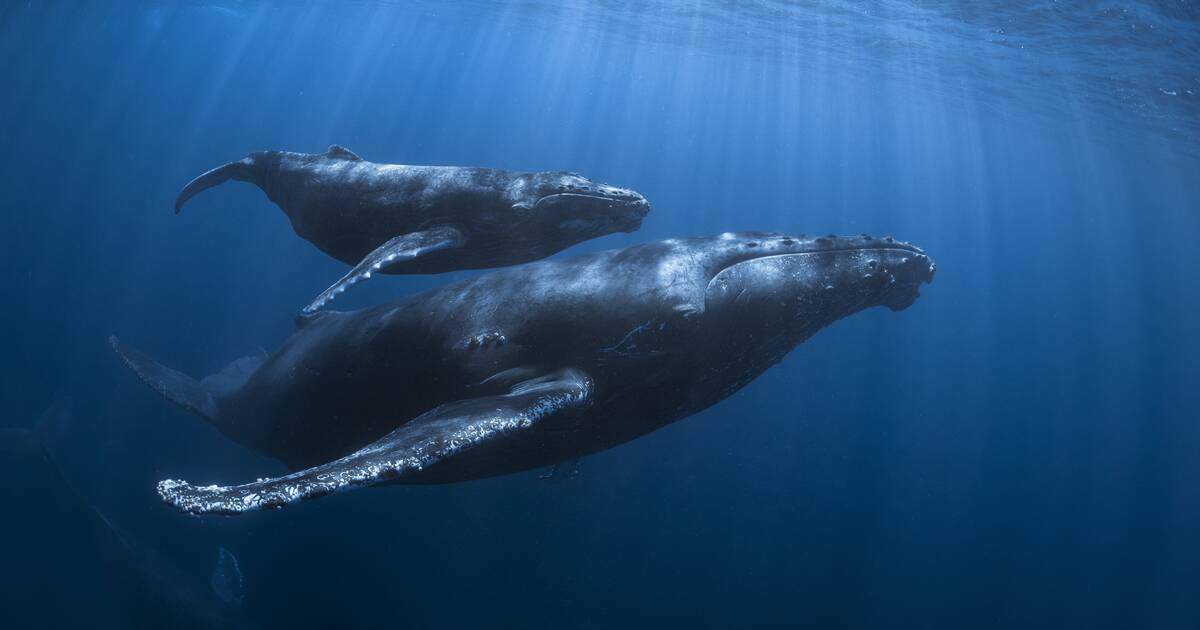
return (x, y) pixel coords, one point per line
(435, 436)
(400, 248)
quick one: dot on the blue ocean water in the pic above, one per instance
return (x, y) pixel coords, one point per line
(1019, 449)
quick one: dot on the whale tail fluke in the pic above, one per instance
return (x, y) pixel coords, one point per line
(176, 387)
(198, 397)
(243, 170)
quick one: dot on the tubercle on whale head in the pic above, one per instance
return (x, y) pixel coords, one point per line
(801, 284)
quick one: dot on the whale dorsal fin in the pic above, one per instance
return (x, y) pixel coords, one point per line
(304, 319)
(342, 152)
(233, 376)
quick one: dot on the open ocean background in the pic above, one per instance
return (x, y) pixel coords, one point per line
(1020, 449)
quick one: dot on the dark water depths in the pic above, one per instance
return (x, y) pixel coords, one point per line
(1021, 448)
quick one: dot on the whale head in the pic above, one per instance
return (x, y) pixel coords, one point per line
(777, 287)
(582, 208)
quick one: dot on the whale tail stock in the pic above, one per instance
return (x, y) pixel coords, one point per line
(41, 442)
(198, 397)
(37, 440)
(244, 170)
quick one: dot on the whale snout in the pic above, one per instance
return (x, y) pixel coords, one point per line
(806, 281)
(601, 209)
(882, 271)
(626, 196)
(586, 207)
(635, 207)
(625, 208)
(901, 273)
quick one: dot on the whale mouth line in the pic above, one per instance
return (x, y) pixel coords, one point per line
(899, 247)
(597, 197)
(890, 247)
(902, 248)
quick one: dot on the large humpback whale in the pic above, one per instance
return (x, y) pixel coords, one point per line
(393, 218)
(529, 366)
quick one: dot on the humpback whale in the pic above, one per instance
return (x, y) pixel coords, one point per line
(529, 366)
(392, 218)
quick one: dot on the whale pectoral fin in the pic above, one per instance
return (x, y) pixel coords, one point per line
(399, 249)
(451, 430)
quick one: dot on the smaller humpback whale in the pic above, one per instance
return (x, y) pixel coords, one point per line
(527, 367)
(392, 218)
(156, 592)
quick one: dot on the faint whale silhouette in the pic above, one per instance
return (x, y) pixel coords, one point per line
(154, 591)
